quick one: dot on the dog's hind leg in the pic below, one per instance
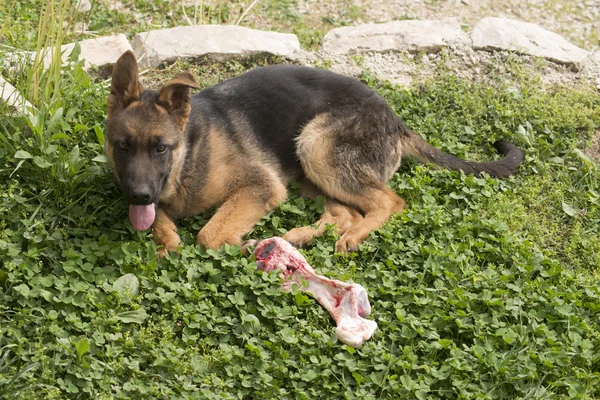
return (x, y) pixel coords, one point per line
(378, 203)
(350, 159)
(340, 216)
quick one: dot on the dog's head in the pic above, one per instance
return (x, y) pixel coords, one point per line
(144, 135)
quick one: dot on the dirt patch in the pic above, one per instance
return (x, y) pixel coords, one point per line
(407, 69)
(594, 150)
(577, 21)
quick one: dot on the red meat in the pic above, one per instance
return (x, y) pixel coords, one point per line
(347, 303)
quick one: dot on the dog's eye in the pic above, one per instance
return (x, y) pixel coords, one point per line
(161, 148)
(123, 146)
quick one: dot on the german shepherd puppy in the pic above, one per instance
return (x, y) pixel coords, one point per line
(238, 144)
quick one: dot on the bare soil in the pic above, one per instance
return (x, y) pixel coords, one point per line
(593, 151)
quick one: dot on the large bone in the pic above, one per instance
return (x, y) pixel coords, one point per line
(347, 303)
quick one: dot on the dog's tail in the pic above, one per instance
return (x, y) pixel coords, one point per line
(418, 148)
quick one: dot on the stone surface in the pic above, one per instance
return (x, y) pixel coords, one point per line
(102, 52)
(591, 68)
(215, 41)
(525, 38)
(411, 36)
(13, 99)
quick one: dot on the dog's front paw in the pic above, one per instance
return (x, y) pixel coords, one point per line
(247, 244)
(164, 234)
(347, 243)
(167, 247)
(210, 241)
(298, 237)
(167, 240)
(207, 241)
(161, 252)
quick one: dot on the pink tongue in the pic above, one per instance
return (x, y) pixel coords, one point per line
(142, 217)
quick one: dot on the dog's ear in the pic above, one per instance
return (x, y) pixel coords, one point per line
(125, 86)
(175, 97)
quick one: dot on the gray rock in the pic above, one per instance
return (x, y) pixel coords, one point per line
(591, 68)
(14, 101)
(412, 36)
(525, 38)
(215, 41)
(102, 52)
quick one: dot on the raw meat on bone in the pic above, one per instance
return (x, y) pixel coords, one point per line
(347, 303)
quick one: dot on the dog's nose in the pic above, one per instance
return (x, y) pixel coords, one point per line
(140, 195)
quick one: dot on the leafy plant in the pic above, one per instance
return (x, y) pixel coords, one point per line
(482, 288)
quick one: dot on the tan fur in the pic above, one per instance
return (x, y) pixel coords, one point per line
(378, 204)
(224, 169)
(413, 147)
(240, 205)
(165, 233)
(314, 148)
(238, 215)
(391, 168)
(341, 217)
(174, 181)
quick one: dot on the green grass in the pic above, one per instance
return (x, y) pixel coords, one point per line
(482, 288)
(21, 18)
